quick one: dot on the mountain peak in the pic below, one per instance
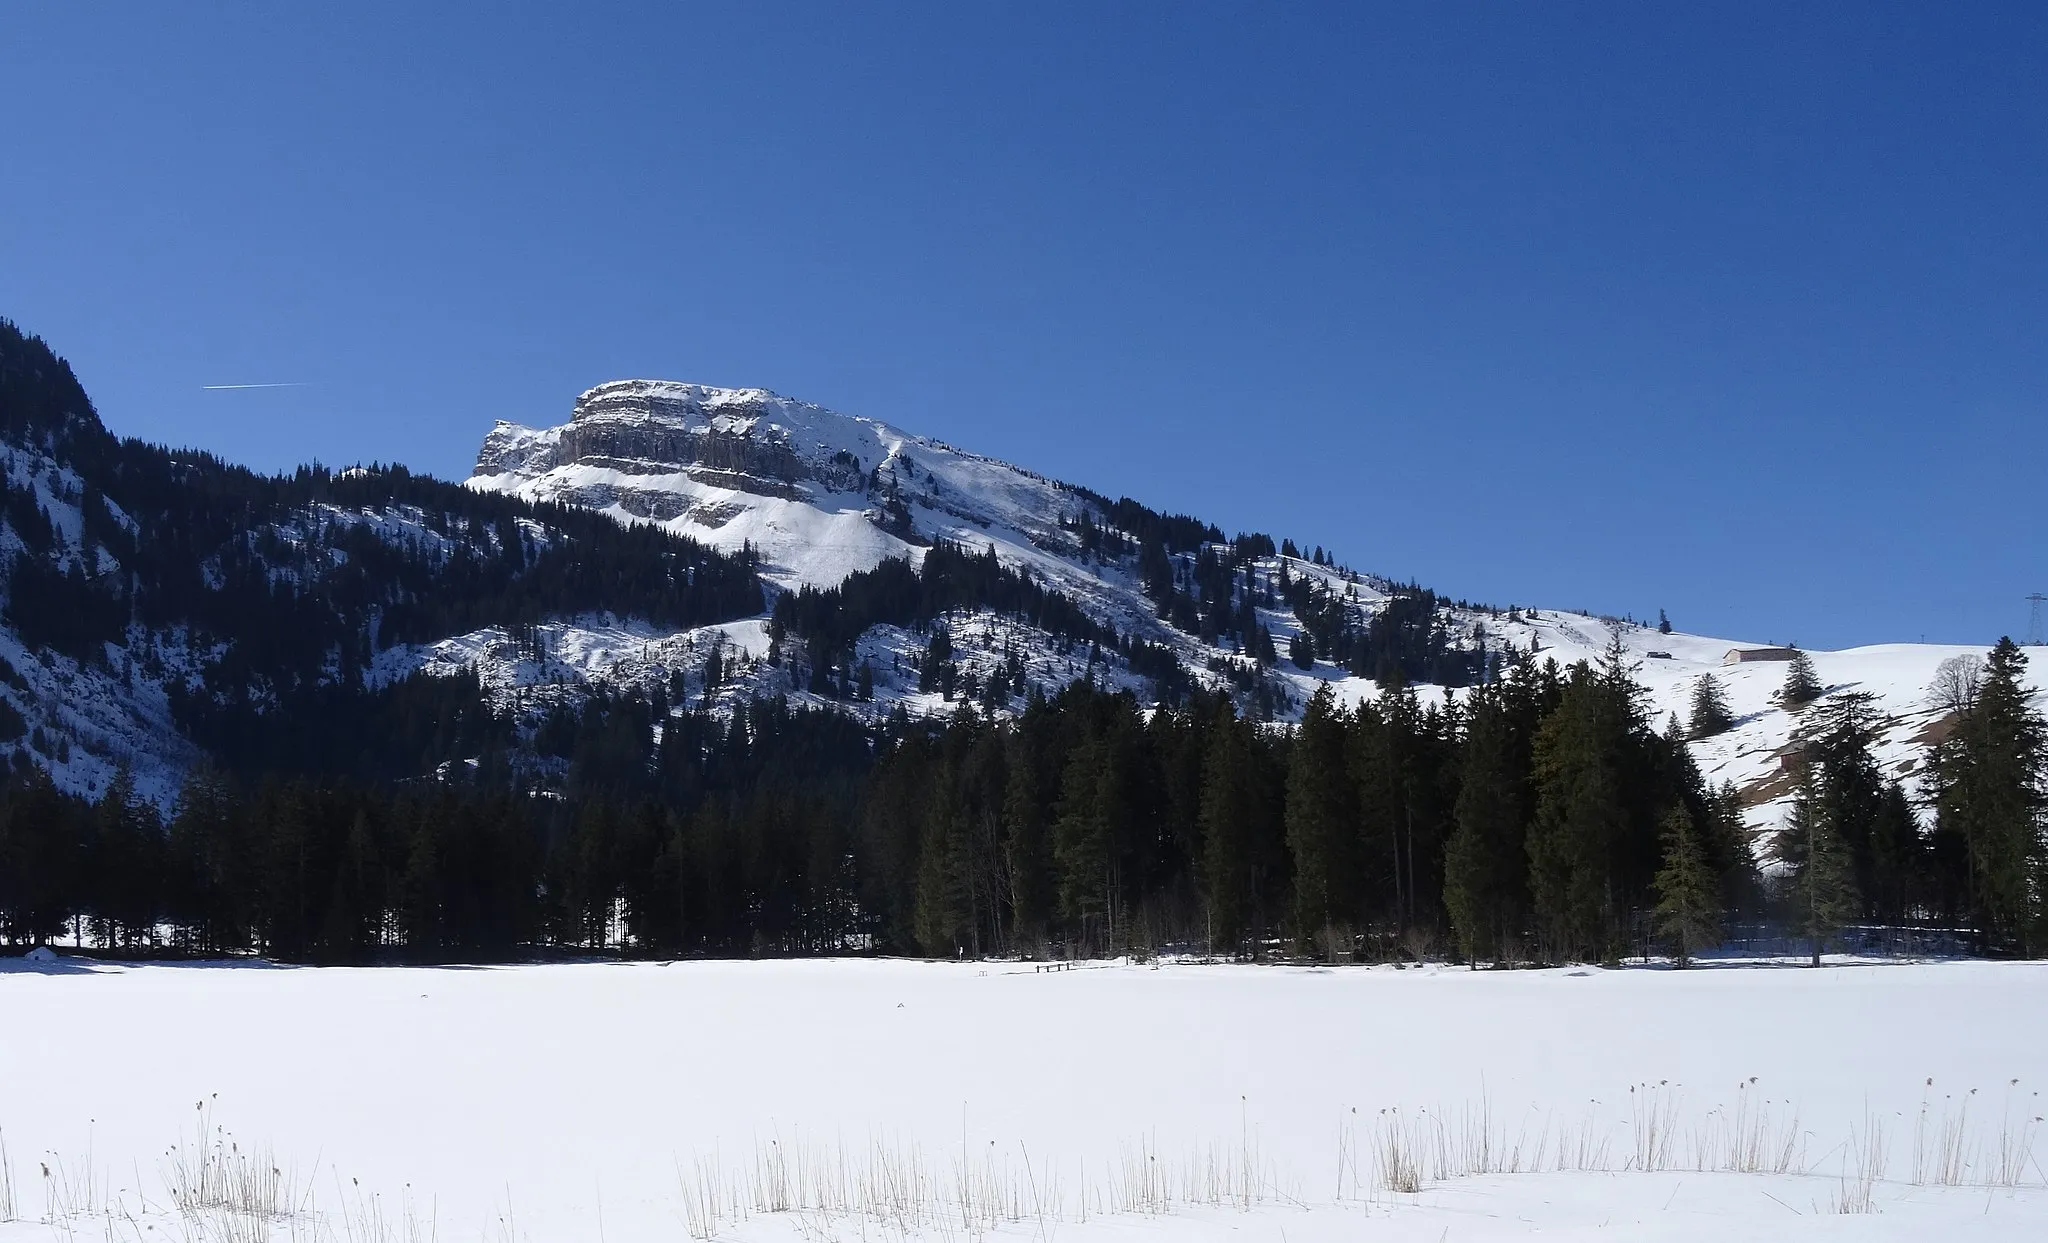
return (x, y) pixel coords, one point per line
(671, 398)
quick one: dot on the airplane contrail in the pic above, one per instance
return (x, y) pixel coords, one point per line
(286, 384)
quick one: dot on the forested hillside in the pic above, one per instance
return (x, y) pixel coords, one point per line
(162, 606)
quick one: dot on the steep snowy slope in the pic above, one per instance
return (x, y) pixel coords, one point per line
(80, 718)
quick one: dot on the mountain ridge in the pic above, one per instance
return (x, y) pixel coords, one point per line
(115, 660)
(1094, 551)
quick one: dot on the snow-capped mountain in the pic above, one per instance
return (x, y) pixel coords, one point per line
(819, 495)
(162, 610)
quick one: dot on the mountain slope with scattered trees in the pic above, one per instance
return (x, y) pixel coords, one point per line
(365, 715)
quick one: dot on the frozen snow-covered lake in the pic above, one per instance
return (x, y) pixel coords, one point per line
(615, 1103)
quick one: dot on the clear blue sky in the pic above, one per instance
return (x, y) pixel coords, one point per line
(1741, 312)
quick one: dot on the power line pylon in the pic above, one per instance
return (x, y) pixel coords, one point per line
(2034, 638)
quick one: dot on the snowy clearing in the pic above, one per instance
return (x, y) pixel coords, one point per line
(876, 1100)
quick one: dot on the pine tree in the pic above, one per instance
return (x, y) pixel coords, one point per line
(1988, 787)
(1320, 818)
(1663, 623)
(1688, 912)
(1583, 843)
(1301, 649)
(127, 859)
(1836, 739)
(1228, 816)
(1802, 682)
(1821, 881)
(942, 876)
(1485, 861)
(211, 865)
(421, 918)
(1726, 837)
(1027, 816)
(1898, 860)
(1710, 715)
(1098, 813)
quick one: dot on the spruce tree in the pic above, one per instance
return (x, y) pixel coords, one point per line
(1988, 787)
(942, 875)
(421, 916)
(1898, 859)
(126, 854)
(1485, 862)
(1688, 912)
(1027, 817)
(1592, 844)
(1301, 649)
(1836, 739)
(1228, 815)
(1320, 818)
(1710, 715)
(1802, 682)
(1821, 881)
(1726, 837)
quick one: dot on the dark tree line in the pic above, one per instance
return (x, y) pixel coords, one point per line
(724, 838)
(1538, 818)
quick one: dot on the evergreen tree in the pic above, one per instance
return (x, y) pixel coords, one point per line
(1820, 874)
(211, 873)
(1099, 811)
(1898, 863)
(1230, 814)
(1710, 715)
(1688, 912)
(1726, 838)
(1486, 860)
(1582, 847)
(421, 915)
(43, 859)
(1802, 682)
(1835, 740)
(942, 880)
(1301, 649)
(1663, 623)
(1403, 809)
(1988, 794)
(127, 863)
(1321, 819)
(1027, 816)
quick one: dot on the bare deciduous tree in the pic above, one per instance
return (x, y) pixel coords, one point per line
(1956, 682)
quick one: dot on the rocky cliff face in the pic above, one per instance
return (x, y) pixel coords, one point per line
(655, 428)
(816, 493)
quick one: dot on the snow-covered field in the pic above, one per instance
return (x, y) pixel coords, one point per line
(615, 1103)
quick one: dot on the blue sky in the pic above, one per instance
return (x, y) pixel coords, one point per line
(1736, 311)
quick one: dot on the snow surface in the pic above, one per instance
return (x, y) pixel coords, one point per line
(573, 1103)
